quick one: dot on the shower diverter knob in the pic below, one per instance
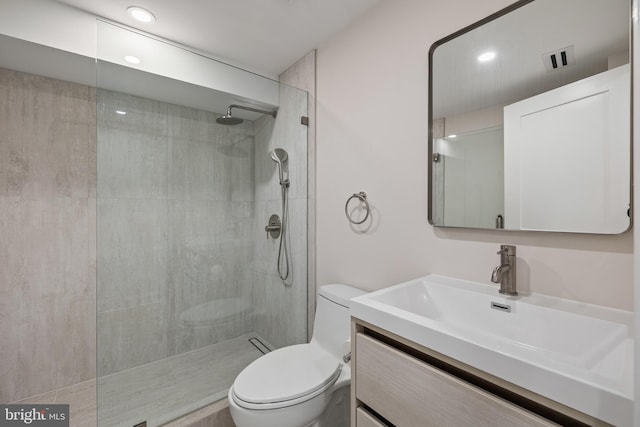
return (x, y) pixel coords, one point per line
(273, 227)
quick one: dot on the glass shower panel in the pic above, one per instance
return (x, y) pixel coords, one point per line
(188, 290)
(281, 313)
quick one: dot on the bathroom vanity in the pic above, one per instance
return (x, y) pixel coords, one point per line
(430, 352)
(398, 382)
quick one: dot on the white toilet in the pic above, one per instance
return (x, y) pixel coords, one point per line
(301, 385)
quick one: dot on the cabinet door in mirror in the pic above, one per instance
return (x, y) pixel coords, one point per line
(530, 120)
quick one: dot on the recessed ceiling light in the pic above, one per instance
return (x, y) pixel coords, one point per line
(141, 15)
(452, 136)
(121, 112)
(132, 59)
(487, 56)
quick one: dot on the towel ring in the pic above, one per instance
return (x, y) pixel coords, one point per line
(362, 196)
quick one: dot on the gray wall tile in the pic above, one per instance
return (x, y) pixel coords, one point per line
(47, 301)
(131, 337)
(47, 291)
(132, 253)
(48, 127)
(175, 209)
(302, 75)
(132, 149)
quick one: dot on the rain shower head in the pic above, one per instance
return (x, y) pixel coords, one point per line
(228, 119)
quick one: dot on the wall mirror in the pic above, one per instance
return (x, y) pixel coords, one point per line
(530, 120)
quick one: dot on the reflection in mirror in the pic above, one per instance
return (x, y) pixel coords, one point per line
(529, 128)
(475, 156)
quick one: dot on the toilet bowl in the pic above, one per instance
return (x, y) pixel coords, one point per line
(296, 386)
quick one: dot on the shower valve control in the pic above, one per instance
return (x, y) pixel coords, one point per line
(273, 227)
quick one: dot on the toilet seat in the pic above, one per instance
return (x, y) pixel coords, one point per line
(286, 377)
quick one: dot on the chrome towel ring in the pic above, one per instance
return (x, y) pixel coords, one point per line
(362, 196)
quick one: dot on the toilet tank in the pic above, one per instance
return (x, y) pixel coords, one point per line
(332, 325)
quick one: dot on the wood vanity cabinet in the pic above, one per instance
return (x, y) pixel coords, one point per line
(397, 383)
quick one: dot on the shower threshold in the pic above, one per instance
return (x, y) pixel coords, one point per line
(164, 390)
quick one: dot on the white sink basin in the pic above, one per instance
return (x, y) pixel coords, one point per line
(580, 355)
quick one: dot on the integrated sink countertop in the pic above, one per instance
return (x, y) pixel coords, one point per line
(580, 355)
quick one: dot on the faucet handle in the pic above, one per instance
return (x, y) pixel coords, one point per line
(507, 250)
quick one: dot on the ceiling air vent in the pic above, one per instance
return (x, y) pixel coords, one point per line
(559, 58)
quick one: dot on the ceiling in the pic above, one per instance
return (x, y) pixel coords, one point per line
(263, 36)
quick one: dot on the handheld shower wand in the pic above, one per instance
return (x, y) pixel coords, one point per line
(280, 157)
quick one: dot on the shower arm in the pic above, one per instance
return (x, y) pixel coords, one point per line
(255, 110)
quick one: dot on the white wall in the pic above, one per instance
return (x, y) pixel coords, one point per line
(372, 136)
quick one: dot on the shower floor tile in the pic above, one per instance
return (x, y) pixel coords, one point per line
(164, 390)
(81, 398)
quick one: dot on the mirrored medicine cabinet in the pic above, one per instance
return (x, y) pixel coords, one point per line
(530, 120)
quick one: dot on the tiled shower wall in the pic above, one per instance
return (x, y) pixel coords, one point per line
(281, 317)
(175, 208)
(302, 75)
(47, 234)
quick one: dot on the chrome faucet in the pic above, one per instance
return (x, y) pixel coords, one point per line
(505, 273)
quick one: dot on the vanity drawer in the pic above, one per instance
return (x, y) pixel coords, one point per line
(365, 419)
(409, 392)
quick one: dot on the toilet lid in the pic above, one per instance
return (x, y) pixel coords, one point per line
(286, 374)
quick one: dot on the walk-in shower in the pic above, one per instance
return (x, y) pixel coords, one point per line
(133, 225)
(137, 279)
(188, 291)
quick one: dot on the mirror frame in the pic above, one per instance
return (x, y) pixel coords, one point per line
(514, 6)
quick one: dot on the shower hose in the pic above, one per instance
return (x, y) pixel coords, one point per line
(283, 252)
